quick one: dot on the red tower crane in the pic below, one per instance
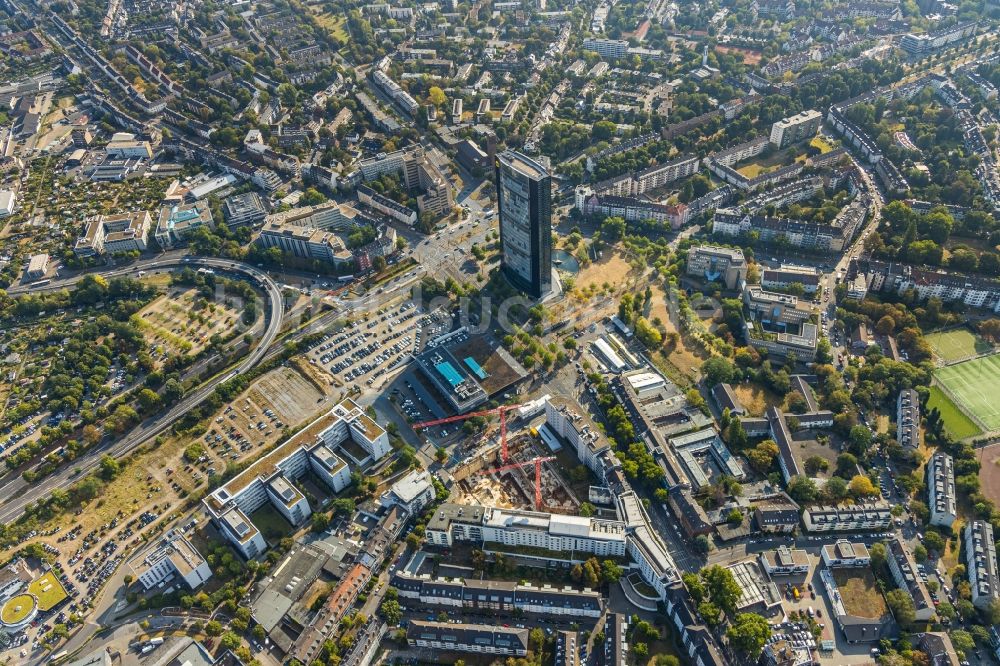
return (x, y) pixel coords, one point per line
(537, 462)
(502, 411)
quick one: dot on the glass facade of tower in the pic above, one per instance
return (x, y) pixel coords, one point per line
(524, 195)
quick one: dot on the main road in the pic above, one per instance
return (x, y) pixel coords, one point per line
(20, 493)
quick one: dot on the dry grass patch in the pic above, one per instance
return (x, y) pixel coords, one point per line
(756, 399)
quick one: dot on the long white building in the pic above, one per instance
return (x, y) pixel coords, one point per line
(345, 428)
(941, 489)
(508, 527)
(981, 562)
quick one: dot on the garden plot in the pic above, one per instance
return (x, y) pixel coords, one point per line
(183, 322)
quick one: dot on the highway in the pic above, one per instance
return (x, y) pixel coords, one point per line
(21, 493)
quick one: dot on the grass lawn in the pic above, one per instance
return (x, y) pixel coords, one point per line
(332, 24)
(957, 344)
(821, 144)
(271, 524)
(859, 592)
(48, 590)
(756, 398)
(754, 169)
(973, 384)
(956, 422)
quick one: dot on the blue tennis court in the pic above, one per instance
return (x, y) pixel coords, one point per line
(449, 372)
(476, 369)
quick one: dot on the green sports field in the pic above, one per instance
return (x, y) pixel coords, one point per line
(956, 423)
(975, 386)
(954, 345)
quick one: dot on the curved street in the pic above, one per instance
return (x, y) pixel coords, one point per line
(20, 493)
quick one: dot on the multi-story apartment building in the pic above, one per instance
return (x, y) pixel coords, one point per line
(473, 638)
(455, 523)
(607, 48)
(786, 276)
(305, 242)
(413, 492)
(981, 562)
(311, 449)
(941, 489)
(908, 419)
(717, 264)
(386, 206)
(491, 595)
(793, 129)
(904, 571)
(524, 202)
(974, 291)
(853, 518)
(173, 556)
(583, 435)
(843, 553)
(778, 513)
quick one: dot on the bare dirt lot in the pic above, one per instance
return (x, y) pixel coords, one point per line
(181, 321)
(989, 473)
(613, 269)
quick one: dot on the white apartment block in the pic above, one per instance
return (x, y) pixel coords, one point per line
(455, 522)
(345, 427)
(856, 517)
(908, 419)
(941, 489)
(981, 562)
(843, 553)
(607, 48)
(174, 556)
(578, 430)
(413, 492)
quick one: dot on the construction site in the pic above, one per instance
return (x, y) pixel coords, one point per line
(510, 469)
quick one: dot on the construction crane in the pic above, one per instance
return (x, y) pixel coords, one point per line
(537, 462)
(501, 411)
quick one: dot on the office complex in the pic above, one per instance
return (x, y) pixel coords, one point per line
(717, 264)
(112, 234)
(524, 196)
(345, 428)
(173, 557)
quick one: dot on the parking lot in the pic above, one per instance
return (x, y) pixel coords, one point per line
(370, 350)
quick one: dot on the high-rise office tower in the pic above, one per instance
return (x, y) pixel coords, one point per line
(524, 196)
